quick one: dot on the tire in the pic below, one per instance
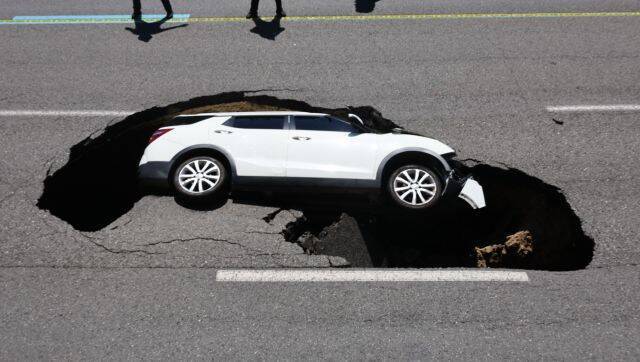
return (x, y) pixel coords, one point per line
(209, 180)
(406, 193)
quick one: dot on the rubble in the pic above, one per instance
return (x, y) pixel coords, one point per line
(514, 252)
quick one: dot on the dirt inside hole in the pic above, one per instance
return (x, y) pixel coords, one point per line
(527, 224)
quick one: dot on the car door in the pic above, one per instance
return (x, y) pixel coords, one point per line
(257, 144)
(327, 147)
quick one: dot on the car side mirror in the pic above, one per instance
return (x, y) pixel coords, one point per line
(351, 115)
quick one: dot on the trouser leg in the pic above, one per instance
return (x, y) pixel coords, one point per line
(279, 6)
(167, 6)
(136, 6)
(254, 6)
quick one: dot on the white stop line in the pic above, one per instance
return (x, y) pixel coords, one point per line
(368, 275)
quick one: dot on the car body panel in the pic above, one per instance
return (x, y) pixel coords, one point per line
(392, 142)
(473, 194)
(314, 153)
(256, 152)
(292, 157)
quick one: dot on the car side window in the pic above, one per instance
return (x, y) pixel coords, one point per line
(315, 123)
(256, 122)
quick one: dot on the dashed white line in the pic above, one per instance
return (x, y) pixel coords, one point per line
(596, 108)
(105, 113)
(72, 113)
(368, 275)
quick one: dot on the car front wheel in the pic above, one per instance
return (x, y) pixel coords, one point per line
(200, 177)
(414, 187)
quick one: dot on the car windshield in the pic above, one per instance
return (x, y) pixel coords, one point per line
(355, 124)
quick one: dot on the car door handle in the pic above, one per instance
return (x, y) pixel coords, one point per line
(222, 131)
(300, 138)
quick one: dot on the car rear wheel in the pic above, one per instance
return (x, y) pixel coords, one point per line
(414, 187)
(200, 177)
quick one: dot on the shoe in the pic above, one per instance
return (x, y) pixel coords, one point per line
(169, 15)
(136, 16)
(281, 14)
(252, 15)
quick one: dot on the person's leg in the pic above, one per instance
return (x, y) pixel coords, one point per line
(167, 7)
(253, 11)
(137, 10)
(279, 10)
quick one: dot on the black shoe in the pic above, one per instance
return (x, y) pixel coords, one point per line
(169, 15)
(136, 16)
(252, 15)
(281, 14)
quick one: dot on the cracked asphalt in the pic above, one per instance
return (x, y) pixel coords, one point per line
(143, 287)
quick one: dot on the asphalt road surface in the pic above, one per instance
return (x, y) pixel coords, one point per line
(145, 286)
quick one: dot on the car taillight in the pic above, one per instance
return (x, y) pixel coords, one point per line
(158, 133)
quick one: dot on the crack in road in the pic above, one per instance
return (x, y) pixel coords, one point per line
(118, 251)
(264, 232)
(184, 240)
(257, 252)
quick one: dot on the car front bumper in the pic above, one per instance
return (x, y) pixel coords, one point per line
(466, 188)
(473, 194)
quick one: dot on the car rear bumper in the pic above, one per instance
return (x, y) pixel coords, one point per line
(154, 174)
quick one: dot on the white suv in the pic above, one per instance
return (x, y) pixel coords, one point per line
(200, 155)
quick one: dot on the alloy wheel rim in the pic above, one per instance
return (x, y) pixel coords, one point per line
(415, 187)
(199, 176)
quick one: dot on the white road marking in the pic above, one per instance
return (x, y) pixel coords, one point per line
(368, 275)
(78, 113)
(596, 108)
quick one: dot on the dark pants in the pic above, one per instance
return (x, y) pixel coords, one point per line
(137, 8)
(254, 6)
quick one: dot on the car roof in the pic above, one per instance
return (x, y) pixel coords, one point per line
(270, 113)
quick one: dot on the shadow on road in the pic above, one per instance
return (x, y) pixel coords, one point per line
(145, 31)
(267, 29)
(365, 6)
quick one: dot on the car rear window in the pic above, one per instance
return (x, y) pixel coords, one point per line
(257, 122)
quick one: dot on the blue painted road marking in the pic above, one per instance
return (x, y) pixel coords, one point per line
(89, 19)
(93, 17)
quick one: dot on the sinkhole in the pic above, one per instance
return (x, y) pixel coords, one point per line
(527, 223)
